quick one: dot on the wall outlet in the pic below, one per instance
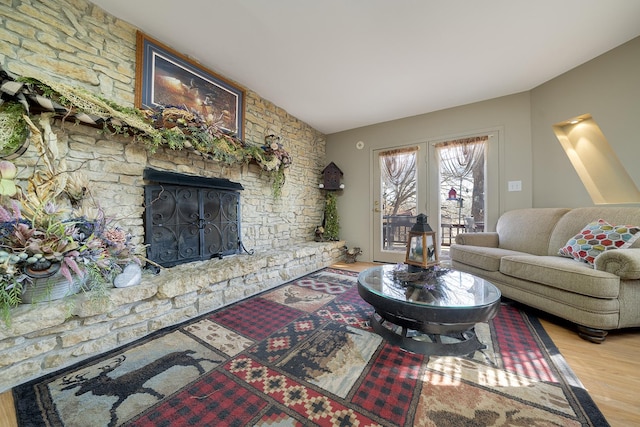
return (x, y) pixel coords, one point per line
(515, 185)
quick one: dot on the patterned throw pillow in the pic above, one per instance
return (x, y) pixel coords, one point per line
(597, 237)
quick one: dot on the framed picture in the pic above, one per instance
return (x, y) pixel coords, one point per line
(164, 78)
(421, 250)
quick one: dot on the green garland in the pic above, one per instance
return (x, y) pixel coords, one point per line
(13, 128)
(174, 127)
(331, 220)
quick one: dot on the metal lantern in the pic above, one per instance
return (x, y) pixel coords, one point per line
(421, 246)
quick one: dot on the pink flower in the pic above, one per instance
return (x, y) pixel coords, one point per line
(115, 235)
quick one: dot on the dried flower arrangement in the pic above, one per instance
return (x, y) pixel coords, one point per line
(39, 237)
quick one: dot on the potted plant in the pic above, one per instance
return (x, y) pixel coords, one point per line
(48, 252)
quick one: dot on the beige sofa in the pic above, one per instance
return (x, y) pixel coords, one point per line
(521, 258)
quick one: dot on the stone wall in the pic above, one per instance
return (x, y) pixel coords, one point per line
(77, 43)
(45, 337)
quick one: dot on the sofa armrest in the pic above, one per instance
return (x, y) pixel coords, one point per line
(621, 262)
(488, 239)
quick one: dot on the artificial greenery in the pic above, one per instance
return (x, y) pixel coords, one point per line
(13, 128)
(277, 182)
(174, 127)
(331, 220)
(40, 237)
(10, 296)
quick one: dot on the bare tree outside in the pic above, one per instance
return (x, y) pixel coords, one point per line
(462, 172)
(399, 195)
(462, 200)
(477, 194)
(399, 183)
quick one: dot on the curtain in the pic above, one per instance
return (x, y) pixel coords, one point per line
(460, 156)
(391, 169)
(398, 170)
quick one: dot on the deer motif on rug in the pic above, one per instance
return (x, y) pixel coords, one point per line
(132, 382)
(293, 297)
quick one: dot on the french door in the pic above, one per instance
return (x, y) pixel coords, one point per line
(410, 180)
(464, 184)
(399, 195)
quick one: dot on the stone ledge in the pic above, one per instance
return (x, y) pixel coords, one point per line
(46, 337)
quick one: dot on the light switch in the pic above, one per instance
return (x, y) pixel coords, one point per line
(515, 185)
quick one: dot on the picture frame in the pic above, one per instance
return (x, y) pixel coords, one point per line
(416, 253)
(165, 77)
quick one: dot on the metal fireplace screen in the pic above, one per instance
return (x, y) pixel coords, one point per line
(189, 222)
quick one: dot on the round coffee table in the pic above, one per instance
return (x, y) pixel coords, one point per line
(431, 311)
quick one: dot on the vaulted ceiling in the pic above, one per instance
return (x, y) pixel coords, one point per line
(342, 64)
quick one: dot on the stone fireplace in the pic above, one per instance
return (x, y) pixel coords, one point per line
(190, 218)
(125, 179)
(48, 336)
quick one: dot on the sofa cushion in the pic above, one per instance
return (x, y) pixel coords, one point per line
(562, 273)
(480, 256)
(486, 238)
(529, 230)
(597, 237)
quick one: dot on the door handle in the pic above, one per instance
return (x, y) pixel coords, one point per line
(376, 206)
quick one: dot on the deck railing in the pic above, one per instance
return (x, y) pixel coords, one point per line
(396, 231)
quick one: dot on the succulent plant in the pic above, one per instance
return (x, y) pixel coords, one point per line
(8, 173)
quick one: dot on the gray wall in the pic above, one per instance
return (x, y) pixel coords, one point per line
(509, 114)
(607, 87)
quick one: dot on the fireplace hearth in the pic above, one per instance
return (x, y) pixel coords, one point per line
(190, 218)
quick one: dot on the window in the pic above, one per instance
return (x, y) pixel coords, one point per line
(462, 185)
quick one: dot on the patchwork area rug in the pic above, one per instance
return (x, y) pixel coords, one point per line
(304, 355)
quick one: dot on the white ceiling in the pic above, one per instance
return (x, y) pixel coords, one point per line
(342, 64)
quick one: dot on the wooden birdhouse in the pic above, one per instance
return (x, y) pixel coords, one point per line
(331, 177)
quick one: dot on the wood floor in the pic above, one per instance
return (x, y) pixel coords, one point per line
(609, 371)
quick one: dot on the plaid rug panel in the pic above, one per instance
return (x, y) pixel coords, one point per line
(520, 353)
(214, 400)
(256, 318)
(389, 386)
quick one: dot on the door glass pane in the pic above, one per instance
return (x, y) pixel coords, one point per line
(398, 189)
(462, 186)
